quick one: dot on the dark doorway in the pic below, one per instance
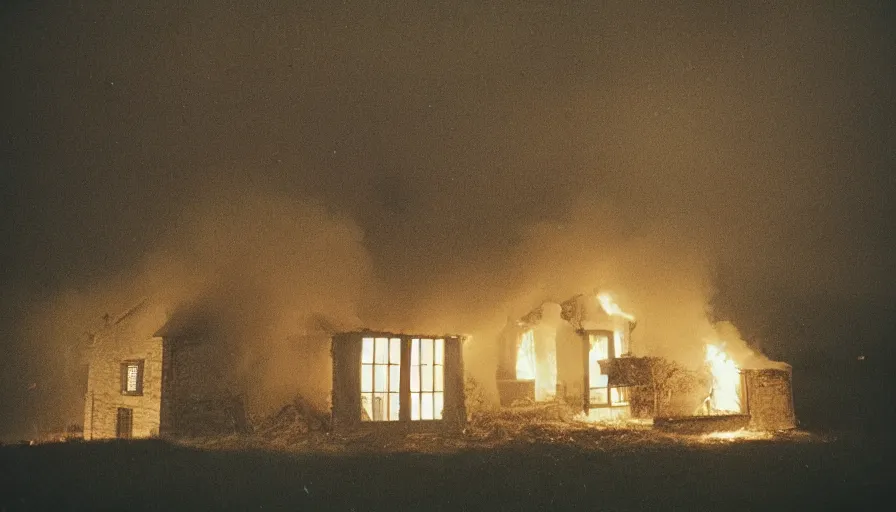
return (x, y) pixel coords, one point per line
(125, 425)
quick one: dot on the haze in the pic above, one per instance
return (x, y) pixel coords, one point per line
(446, 168)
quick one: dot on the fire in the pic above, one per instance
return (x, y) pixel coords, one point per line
(525, 358)
(611, 308)
(724, 398)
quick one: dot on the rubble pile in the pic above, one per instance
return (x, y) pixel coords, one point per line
(292, 423)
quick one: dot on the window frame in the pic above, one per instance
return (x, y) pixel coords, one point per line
(124, 371)
(607, 391)
(434, 366)
(389, 365)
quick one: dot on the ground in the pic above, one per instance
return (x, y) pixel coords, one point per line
(535, 466)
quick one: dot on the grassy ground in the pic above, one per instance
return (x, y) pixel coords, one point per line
(545, 466)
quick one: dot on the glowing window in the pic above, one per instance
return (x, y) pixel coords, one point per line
(132, 377)
(600, 347)
(599, 392)
(525, 357)
(427, 378)
(380, 379)
(618, 396)
(620, 343)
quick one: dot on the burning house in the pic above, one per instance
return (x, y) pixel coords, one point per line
(580, 353)
(564, 352)
(149, 377)
(400, 382)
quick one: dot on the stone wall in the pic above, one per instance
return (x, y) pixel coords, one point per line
(769, 399)
(104, 397)
(199, 397)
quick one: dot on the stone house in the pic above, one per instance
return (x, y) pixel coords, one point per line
(149, 376)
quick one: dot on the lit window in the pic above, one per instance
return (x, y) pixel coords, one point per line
(525, 357)
(620, 344)
(618, 396)
(132, 377)
(427, 378)
(599, 392)
(380, 378)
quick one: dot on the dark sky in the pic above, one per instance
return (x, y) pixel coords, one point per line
(473, 154)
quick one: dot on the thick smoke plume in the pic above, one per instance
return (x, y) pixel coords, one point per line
(269, 278)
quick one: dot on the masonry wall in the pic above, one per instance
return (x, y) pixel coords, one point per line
(769, 399)
(199, 398)
(104, 397)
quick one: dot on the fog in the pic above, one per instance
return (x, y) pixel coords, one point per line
(443, 169)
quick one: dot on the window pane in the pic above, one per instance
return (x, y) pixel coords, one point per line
(599, 347)
(367, 350)
(379, 406)
(395, 351)
(367, 407)
(132, 377)
(602, 381)
(366, 378)
(599, 396)
(426, 351)
(381, 355)
(381, 377)
(426, 377)
(426, 406)
(394, 378)
(440, 351)
(415, 378)
(619, 396)
(438, 404)
(415, 406)
(394, 406)
(437, 385)
(415, 351)
(620, 343)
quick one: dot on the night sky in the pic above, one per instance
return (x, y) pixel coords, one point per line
(447, 166)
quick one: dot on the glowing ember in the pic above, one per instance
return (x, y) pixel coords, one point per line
(725, 395)
(736, 435)
(525, 357)
(611, 308)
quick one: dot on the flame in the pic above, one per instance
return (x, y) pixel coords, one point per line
(611, 308)
(525, 357)
(725, 395)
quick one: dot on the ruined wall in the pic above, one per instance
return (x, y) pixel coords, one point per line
(769, 398)
(104, 396)
(572, 365)
(198, 398)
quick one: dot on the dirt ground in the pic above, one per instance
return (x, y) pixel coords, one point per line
(546, 466)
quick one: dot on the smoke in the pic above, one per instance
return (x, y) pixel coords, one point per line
(268, 277)
(445, 169)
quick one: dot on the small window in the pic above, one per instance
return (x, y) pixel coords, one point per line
(132, 378)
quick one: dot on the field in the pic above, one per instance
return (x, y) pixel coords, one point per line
(530, 467)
